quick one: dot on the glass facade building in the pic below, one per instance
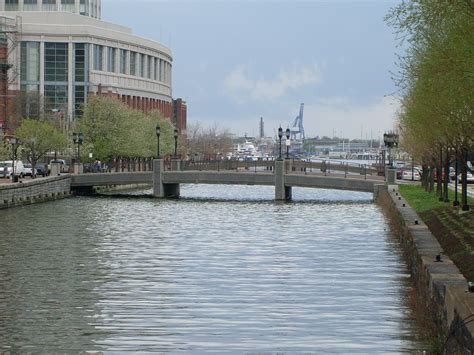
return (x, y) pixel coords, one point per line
(90, 8)
(64, 58)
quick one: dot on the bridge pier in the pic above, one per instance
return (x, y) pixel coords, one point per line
(282, 192)
(160, 189)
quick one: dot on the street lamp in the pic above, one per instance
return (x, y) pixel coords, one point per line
(288, 143)
(158, 132)
(78, 138)
(391, 141)
(175, 143)
(280, 135)
(15, 142)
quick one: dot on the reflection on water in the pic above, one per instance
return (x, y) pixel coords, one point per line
(223, 269)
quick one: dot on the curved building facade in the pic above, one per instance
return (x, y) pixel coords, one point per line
(65, 53)
(90, 8)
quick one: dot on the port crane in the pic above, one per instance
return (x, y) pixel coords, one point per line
(296, 128)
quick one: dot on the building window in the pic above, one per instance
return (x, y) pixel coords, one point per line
(157, 65)
(80, 62)
(84, 7)
(11, 5)
(56, 62)
(111, 60)
(30, 5)
(55, 97)
(30, 62)
(150, 67)
(49, 5)
(161, 70)
(133, 63)
(98, 57)
(94, 11)
(123, 61)
(79, 100)
(141, 59)
(169, 73)
(30, 101)
(68, 6)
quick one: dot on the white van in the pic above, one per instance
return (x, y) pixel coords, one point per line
(6, 169)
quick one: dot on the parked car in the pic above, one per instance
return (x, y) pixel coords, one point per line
(42, 169)
(407, 174)
(28, 169)
(6, 169)
(3, 169)
(469, 178)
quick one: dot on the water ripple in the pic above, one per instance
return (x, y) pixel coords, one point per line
(205, 273)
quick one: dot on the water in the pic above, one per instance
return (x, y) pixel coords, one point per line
(231, 272)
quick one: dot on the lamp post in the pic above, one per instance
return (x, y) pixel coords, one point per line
(15, 142)
(175, 143)
(280, 135)
(288, 143)
(391, 140)
(78, 138)
(158, 132)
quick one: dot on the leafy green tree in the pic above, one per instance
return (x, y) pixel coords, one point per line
(5, 151)
(436, 77)
(112, 129)
(38, 138)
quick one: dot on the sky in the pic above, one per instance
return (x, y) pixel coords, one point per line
(235, 61)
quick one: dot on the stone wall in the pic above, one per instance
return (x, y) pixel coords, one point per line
(437, 278)
(35, 191)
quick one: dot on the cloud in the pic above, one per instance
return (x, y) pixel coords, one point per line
(339, 115)
(328, 116)
(242, 87)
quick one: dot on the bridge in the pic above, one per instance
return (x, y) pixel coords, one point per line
(283, 174)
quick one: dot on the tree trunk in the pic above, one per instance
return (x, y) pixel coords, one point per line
(432, 182)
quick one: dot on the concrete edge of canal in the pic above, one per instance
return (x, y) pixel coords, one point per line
(440, 282)
(35, 191)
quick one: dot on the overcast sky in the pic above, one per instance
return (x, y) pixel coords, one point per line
(235, 61)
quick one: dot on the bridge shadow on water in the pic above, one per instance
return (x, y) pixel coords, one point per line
(254, 195)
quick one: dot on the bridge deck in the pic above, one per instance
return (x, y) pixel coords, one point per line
(314, 180)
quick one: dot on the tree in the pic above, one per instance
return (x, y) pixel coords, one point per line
(436, 77)
(208, 142)
(114, 130)
(38, 138)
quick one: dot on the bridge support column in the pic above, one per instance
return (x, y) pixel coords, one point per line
(159, 188)
(158, 168)
(282, 192)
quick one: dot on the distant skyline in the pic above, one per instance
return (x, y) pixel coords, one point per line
(237, 61)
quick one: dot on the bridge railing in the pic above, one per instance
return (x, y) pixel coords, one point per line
(264, 165)
(293, 166)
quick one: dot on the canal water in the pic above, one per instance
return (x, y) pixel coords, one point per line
(224, 269)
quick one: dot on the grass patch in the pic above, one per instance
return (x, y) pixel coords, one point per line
(422, 201)
(454, 231)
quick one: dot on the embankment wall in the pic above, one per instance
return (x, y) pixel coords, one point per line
(35, 191)
(440, 283)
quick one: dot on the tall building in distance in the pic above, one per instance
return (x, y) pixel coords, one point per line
(66, 53)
